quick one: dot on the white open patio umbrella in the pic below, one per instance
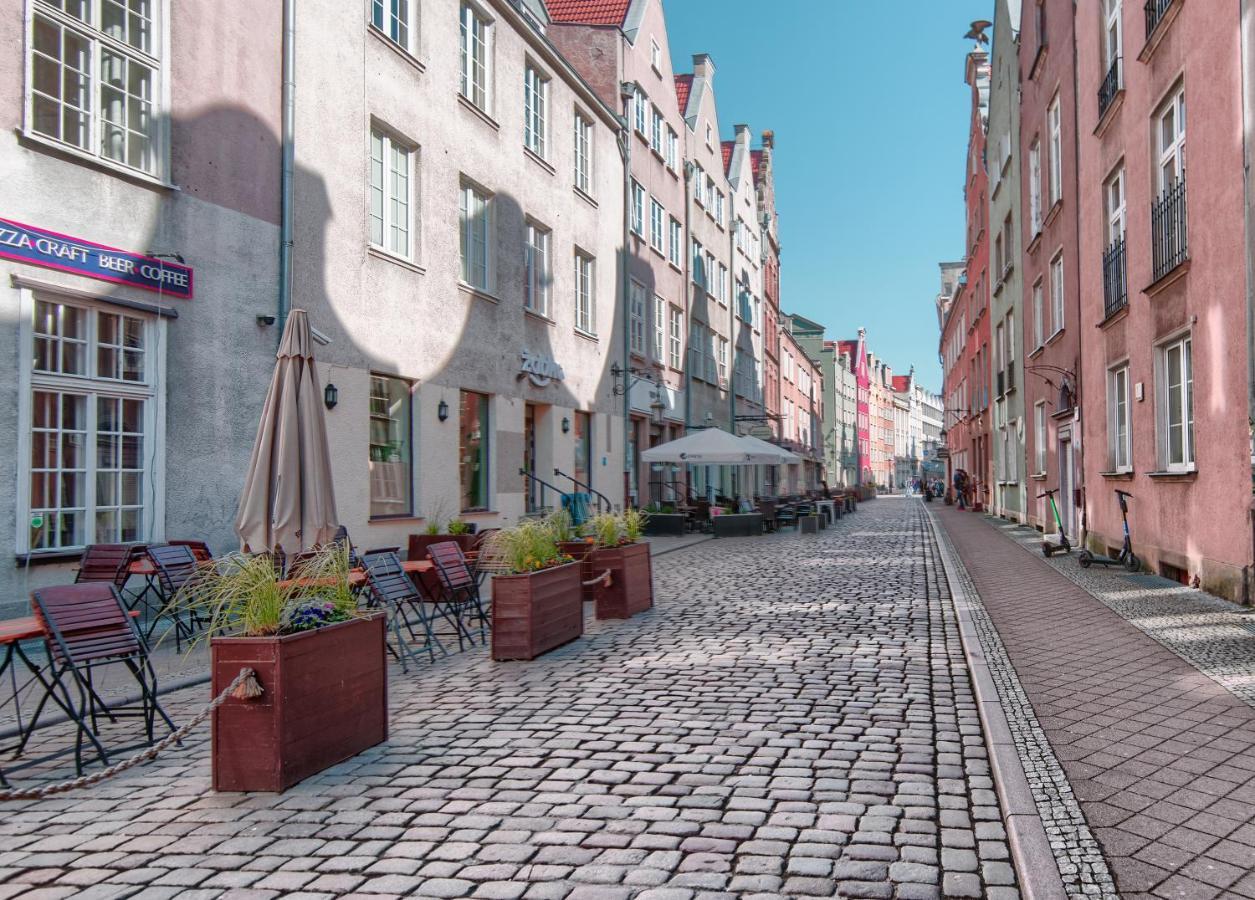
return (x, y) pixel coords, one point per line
(711, 447)
(288, 499)
(783, 457)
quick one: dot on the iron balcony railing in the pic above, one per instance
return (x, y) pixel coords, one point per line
(1169, 246)
(1109, 88)
(1155, 11)
(1115, 282)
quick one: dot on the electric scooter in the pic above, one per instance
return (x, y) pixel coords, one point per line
(1047, 548)
(1126, 557)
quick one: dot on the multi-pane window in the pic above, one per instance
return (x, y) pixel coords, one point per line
(90, 427)
(715, 277)
(1034, 187)
(1008, 246)
(638, 209)
(640, 106)
(583, 154)
(712, 370)
(699, 184)
(1171, 140)
(473, 450)
(1113, 192)
(390, 467)
(1039, 333)
(391, 177)
(475, 221)
(535, 104)
(723, 359)
(657, 225)
(476, 47)
(675, 347)
(94, 78)
(697, 343)
(585, 311)
(1177, 404)
(699, 264)
(1056, 294)
(1054, 125)
(1119, 441)
(655, 130)
(1113, 38)
(673, 149)
(636, 317)
(719, 207)
(1039, 437)
(675, 246)
(538, 266)
(1000, 257)
(710, 194)
(660, 327)
(392, 18)
(655, 55)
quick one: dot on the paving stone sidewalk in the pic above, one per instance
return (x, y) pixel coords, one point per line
(1160, 756)
(794, 718)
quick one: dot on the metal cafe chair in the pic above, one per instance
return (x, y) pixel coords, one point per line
(199, 549)
(459, 587)
(394, 590)
(174, 566)
(88, 626)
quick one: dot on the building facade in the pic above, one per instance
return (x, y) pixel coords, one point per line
(801, 402)
(623, 52)
(139, 245)
(482, 206)
(1009, 493)
(1164, 284)
(1049, 264)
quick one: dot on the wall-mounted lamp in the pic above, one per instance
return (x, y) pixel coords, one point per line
(330, 396)
(566, 425)
(265, 321)
(442, 411)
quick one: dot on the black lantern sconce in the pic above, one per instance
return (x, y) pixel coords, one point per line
(330, 396)
(566, 425)
(442, 411)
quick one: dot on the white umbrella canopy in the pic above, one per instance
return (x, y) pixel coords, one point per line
(783, 457)
(288, 501)
(711, 447)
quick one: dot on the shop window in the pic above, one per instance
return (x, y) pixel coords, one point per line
(473, 450)
(391, 429)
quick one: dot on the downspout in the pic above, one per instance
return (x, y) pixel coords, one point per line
(1244, 10)
(1080, 340)
(625, 151)
(288, 163)
(688, 316)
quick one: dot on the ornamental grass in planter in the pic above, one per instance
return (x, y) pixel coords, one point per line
(537, 603)
(620, 551)
(574, 545)
(320, 663)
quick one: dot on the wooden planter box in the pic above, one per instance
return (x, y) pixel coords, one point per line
(533, 613)
(325, 700)
(631, 588)
(579, 551)
(737, 524)
(665, 525)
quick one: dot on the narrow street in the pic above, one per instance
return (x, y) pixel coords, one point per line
(794, 718)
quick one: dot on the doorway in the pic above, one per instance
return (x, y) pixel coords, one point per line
(530, 488)
(1067, 483)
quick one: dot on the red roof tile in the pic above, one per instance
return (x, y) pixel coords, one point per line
(901, 383)
(727, 147)
(683, 84)
(588, 12)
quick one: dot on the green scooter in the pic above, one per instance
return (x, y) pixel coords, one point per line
(1047, 547)
(1126, 558)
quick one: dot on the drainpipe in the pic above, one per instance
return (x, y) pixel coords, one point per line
(285, 176)
(688, 316)
(1244, 10)
(626, 92)
(1080, 340)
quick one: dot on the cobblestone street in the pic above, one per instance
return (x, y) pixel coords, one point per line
(793, 718)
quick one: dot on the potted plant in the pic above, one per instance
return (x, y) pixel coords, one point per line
(621, 552)
(321, 665)
(571, 543)
(664, 521)
(537, 602)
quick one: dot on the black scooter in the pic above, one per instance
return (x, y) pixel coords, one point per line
(1126, 558)
(1047, 547)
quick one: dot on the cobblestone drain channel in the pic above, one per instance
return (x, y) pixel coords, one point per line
(1211, 634)
(1077, 852)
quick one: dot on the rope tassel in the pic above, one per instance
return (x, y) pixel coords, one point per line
(247, 687)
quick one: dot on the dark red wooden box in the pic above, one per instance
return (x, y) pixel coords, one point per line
(631, 588)
(580, 552)
(533, 613)
(325, 700)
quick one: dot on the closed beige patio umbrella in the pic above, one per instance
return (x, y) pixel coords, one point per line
(288, 500)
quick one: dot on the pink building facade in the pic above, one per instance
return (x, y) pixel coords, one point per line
(1164, 287)
(856, 350)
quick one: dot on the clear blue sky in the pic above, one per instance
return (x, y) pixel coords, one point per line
(871, 114)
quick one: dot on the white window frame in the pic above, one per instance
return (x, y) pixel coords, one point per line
(655, 130)
(1182, 343)
(1056, 294)
(537, 267)
(154, 450)
(697, 350)
(657, 225)
(1040, 437)
(659, 347)
(639, 103)
(1170, 147)
(1114, 201)
(1054, 128)
(92, 113)
(583, 149)
(675, 346)
(395, 20)
(672, 153)
(1119, 419)
(655, 55)
(476, 73)
(1039, 324)
(638, 209)
(468, 237)
(396, 200)
(1034, 186)
(585, 293)
(636, 316)
(535, 110)
(1113, 32)
(675, 245)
